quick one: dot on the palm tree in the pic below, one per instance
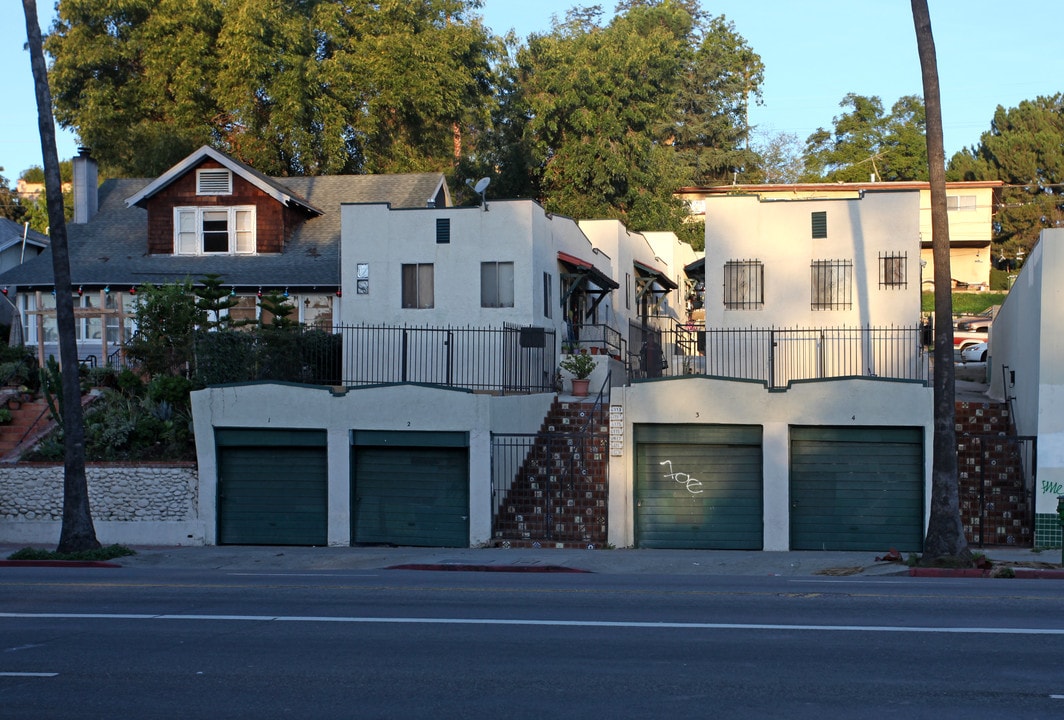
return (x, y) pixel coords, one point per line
(945, 532)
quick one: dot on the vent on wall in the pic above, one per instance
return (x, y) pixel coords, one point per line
(214, 182)
(443, 230)
(820, 224)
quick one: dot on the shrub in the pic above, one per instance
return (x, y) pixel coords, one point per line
(170, 389)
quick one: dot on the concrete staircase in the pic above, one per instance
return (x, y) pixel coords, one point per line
(558, 497)
(995, 501)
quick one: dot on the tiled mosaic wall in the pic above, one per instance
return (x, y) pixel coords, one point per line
(1047, 533)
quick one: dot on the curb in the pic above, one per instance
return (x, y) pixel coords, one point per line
(460, 567)
(1018, 573)
(58, 563)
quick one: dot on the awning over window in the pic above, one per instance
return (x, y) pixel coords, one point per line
(585, 278)
(649, 273)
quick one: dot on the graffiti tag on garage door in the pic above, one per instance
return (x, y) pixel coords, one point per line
(693, 485)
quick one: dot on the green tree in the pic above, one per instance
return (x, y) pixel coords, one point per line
(276, 311)
(288, 86)
(712, 132)
(867, 142)
(36, 213)
(599, 103)
(1024, 148)
(213, 300)
(167, 318)
(10, 207)
(35, 173)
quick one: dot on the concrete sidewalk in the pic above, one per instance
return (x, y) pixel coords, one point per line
(624, 561)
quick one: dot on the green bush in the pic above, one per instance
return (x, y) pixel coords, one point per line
(999, 279)
(109, 552)
(129, 383)
(170, 389)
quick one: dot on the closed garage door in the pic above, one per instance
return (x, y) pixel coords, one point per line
(857, 488)
(272, 487)
(410, 489)
(698, 486)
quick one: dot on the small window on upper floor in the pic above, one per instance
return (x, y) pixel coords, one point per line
(214, 230)
(960, 202)
(214, 181)
(820, 224)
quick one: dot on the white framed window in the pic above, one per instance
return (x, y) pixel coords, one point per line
(418, 285)
(214, 181)
(496, 284)
(214, 230)
(964, 203)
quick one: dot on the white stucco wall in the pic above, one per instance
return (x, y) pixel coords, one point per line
(1028, 340)
(516, 231)
(778, 233)
(858, 402)
(391, 408)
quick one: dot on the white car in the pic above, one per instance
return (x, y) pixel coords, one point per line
(974, 353)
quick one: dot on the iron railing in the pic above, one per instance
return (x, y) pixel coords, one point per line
(779, 356)
(507, 359)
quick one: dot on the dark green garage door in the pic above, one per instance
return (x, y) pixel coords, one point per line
(272, 487)
(410, 489)
(698, 486)
(857, 488)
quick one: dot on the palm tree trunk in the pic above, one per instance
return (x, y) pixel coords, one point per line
(78, 532)
(945, 532)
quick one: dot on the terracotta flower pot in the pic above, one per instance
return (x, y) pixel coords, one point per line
(580, 386)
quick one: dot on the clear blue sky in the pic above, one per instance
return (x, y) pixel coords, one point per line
(815, 51)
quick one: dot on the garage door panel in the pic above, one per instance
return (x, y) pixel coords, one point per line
(856, 488)
(703, 492)
(272, 495)
(411, 496)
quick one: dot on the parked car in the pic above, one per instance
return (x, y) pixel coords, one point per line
(984, 318)
(974, 353)
(963, 339)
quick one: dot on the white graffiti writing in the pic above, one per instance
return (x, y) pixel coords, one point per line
(693, 485)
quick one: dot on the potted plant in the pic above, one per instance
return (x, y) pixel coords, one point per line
(580, 366)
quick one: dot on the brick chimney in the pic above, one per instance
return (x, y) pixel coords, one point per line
(86, 186)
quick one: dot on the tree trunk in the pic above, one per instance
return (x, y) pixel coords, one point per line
(945, 532)
(78, 532)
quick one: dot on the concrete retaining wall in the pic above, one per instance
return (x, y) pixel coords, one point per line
(130, 504)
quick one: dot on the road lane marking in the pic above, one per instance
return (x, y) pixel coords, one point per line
(28, 674)
(544, 623)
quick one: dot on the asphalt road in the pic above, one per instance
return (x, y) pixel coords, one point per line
(165, 643)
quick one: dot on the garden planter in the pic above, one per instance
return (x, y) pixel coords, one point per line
(580, 386)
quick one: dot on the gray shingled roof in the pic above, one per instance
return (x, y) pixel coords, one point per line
(111, 249)
(11, 234)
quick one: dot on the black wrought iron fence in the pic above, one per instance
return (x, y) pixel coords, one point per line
(778, 356)
(506, 359)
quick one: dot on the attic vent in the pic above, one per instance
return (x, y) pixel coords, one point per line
(443, 231)
(215, 181)
(820, 224)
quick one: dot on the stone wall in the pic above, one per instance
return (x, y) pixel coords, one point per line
(120, 492)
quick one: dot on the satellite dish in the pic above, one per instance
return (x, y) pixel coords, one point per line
(482, 184)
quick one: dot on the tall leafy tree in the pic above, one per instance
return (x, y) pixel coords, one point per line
(289, 86)
(599, 101)
(614, 117)
(77, 531)
(712, 132)
(1025, 148)
(868, 142)
(945, 532)
(10, 206)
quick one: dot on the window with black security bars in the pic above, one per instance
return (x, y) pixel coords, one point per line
(892, 270)
(744, 285)
(831, 284)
